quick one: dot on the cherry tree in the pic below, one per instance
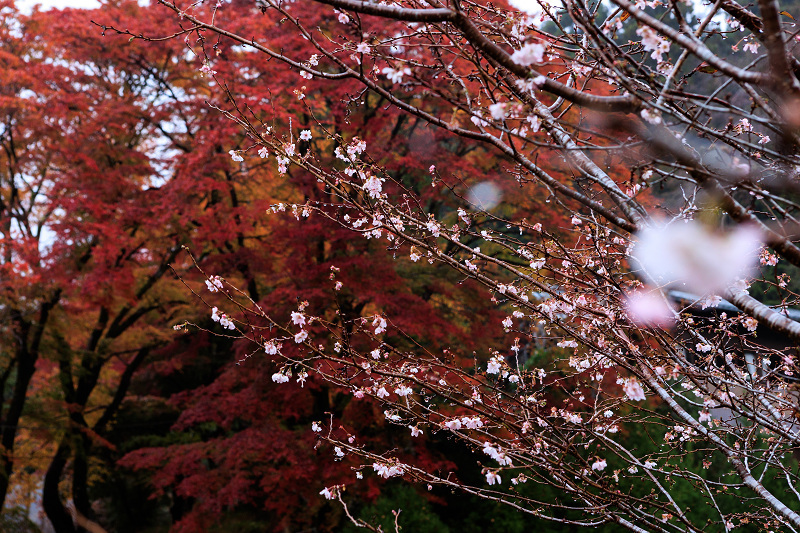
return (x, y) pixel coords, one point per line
(664, 133)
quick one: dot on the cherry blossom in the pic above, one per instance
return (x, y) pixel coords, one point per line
(529, 54)
(751, 47)
(279, 377)
(534, 122)
(494, 366)
(222, 318)
(767, 258)
(283, 163)
(472, 422)
(484, 195)
(214, 283)
(396, 76)
(271, 348)
(712, 300)
(403, 390)
(374, 186)
(652, 42)
(206, 70)
(387, 471)
(453, 425)
(653, 116)
(434, 228)
(633, 390)
(498, 110)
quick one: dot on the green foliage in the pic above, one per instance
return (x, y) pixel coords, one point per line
(416, 513)
(770, 294)
(17, 520)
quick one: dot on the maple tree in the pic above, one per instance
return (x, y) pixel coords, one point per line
(102, 188)
(632, 293)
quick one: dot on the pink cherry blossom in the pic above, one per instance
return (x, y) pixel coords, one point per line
(531, 53)
(633, 390)
(298, 318)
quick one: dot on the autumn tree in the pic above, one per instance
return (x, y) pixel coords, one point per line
(102, 187)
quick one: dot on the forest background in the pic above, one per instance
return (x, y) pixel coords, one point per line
(116, 169)
(131, 194)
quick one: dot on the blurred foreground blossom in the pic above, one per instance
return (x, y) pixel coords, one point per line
(485, 195)
(696, 257)
(649, 308)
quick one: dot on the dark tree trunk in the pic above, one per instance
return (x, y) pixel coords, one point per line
(26, 366)
(58, 515)
(80, 477)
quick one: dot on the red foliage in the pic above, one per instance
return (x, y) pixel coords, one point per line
(135, 164)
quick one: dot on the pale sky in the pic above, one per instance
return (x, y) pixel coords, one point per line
(27, 5)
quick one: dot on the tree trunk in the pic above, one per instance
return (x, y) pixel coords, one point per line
(26, 366)
(58, 515)
(80, 477)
